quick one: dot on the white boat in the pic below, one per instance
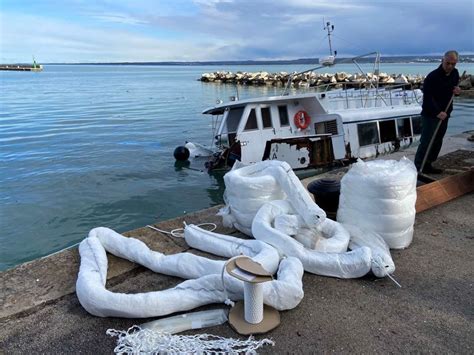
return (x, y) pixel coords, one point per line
(315, 129)
(331, 58)
(327, 61)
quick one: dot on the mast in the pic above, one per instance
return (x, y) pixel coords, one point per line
(329, 28)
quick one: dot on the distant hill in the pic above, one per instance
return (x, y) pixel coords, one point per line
(307, 61)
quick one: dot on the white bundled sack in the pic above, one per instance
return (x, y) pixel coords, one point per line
(205, 279)
(329, 236)
(340, 264)
(380, 196)
(249, 187)
(382, 262)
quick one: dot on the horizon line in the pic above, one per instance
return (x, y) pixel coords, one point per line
(387, 59)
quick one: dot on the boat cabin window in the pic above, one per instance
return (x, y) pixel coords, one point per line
(368, 133)
(251, 121)
(388, 131)
(404, 127)
(283, 112)
(326, 127)
(266, 117)
(416, 124)
(233, 119)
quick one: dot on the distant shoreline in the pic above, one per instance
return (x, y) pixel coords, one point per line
(306, 61)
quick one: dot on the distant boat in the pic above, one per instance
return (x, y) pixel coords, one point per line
(22, 67)
(331, 58)
(327, 61)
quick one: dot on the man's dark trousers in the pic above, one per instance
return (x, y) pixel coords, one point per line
(428, 126)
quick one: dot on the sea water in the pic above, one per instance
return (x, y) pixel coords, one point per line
(83, 146)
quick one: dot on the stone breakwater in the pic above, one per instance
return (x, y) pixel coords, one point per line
(311, 79)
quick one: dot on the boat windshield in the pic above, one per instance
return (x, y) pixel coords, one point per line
(233, 119)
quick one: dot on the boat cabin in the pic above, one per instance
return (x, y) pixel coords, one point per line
(316, 129)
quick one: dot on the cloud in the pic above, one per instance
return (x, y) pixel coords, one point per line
(145, 30)
(57, 41)
(119, 18)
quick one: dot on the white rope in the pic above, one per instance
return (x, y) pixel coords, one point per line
(393, 279)
(389, 276)
(253, 302)
(179, 232)
(144, 341)
(227, 301)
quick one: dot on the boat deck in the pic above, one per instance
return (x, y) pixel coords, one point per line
(432, 312)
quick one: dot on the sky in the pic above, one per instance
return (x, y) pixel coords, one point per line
(88, 31)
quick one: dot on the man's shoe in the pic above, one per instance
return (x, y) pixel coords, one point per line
(429, 169)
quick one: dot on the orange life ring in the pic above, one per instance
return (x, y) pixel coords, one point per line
(302, 119)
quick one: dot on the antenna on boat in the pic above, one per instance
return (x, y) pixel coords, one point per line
(330, 29)
(329, 60)
(323, 62)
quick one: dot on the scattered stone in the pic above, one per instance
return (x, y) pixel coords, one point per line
(401, 79)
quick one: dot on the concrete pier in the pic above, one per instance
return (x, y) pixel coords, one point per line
(431, 313)
(21, 67)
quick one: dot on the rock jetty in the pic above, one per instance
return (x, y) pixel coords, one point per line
(466, 84)
(466, 81)
(310, 79)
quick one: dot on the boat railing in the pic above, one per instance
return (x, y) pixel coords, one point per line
(354, 60)
(370, 91)
(286, 90)
(371, 96)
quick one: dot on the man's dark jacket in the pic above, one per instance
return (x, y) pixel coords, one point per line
(437, 91)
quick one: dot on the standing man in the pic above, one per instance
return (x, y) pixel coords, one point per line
(438, 88)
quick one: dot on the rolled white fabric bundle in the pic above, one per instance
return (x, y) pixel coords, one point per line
(248, 188)
(380, 196)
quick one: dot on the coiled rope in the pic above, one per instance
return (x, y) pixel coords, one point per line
(253, 302)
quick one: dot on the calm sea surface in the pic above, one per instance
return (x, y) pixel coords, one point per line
(89, 146)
